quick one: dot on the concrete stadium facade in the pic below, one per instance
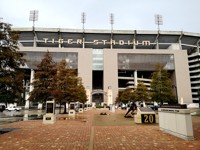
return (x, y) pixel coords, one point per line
(108, 61)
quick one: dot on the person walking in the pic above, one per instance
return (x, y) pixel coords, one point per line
(132, 108)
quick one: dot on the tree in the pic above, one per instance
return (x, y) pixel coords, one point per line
(141, 93)
(67, 87)
(80, 92)
(126, 96)
(43, 79)
(61, 83)
(118, 98)
(11, 76)
(161, 86)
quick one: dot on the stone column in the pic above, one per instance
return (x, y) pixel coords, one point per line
(30, 89)
(109, 97)
(135, 78)
(27, 95)
(35, 43)
(88, 93)
(83, 42)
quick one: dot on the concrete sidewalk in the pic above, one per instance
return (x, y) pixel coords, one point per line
(92, 131)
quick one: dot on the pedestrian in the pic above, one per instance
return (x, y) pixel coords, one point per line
(132, 108)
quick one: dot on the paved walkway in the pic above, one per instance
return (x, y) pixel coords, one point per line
(91, 131)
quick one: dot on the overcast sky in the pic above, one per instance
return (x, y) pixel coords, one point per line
(178, 15)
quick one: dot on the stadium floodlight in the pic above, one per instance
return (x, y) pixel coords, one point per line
(111, 20)
(83, 19)
(33, 16)
(158, 20)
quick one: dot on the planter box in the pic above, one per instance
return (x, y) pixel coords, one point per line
(177, 122)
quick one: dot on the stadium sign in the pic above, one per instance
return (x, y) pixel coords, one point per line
(97, 42)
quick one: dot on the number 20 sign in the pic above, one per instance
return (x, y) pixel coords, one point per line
(148, 118)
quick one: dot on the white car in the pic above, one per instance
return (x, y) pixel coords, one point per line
(193, 105)
(13, 108)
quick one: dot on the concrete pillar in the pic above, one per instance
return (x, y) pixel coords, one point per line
(157, 45)
(110, 73)
(83, 42)
(198, 47)
(135, 78)
(30, 89)
(88, 93)
(182, 76)
(111, 45)
(59, 45)
(134, 46)
(31, 80)
(109, 97)
(26, 96)
(180, 44)
(25, 118)
(35, 43)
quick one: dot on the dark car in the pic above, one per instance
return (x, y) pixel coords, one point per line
(2, 108)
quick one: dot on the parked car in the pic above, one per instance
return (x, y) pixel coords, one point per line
(193, 105)
(2, 108)
(13, 108)
(123, 106)
(152, 106)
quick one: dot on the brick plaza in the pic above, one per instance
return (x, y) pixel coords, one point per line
(92, 131)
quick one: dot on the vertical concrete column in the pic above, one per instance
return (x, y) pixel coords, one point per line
(26, 96)
(110, 72)
(180, 44)
(182, 77)
(157, 44)
(35, 43)
(88, 93)
(59, 45)
(134, 39)
(109, 97)
(85, 67)
(111, 44)
(31, 80)
(135, 78)
(30, 89)
(198, 47)
(134, 44)
(83, 42)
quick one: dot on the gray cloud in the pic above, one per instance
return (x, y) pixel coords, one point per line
(129, 14)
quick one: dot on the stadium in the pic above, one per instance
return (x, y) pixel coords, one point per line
(111, 61)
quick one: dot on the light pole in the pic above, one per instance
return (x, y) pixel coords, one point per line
(33, 16)
(111, 22)
(83, 20)
(158, 20)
